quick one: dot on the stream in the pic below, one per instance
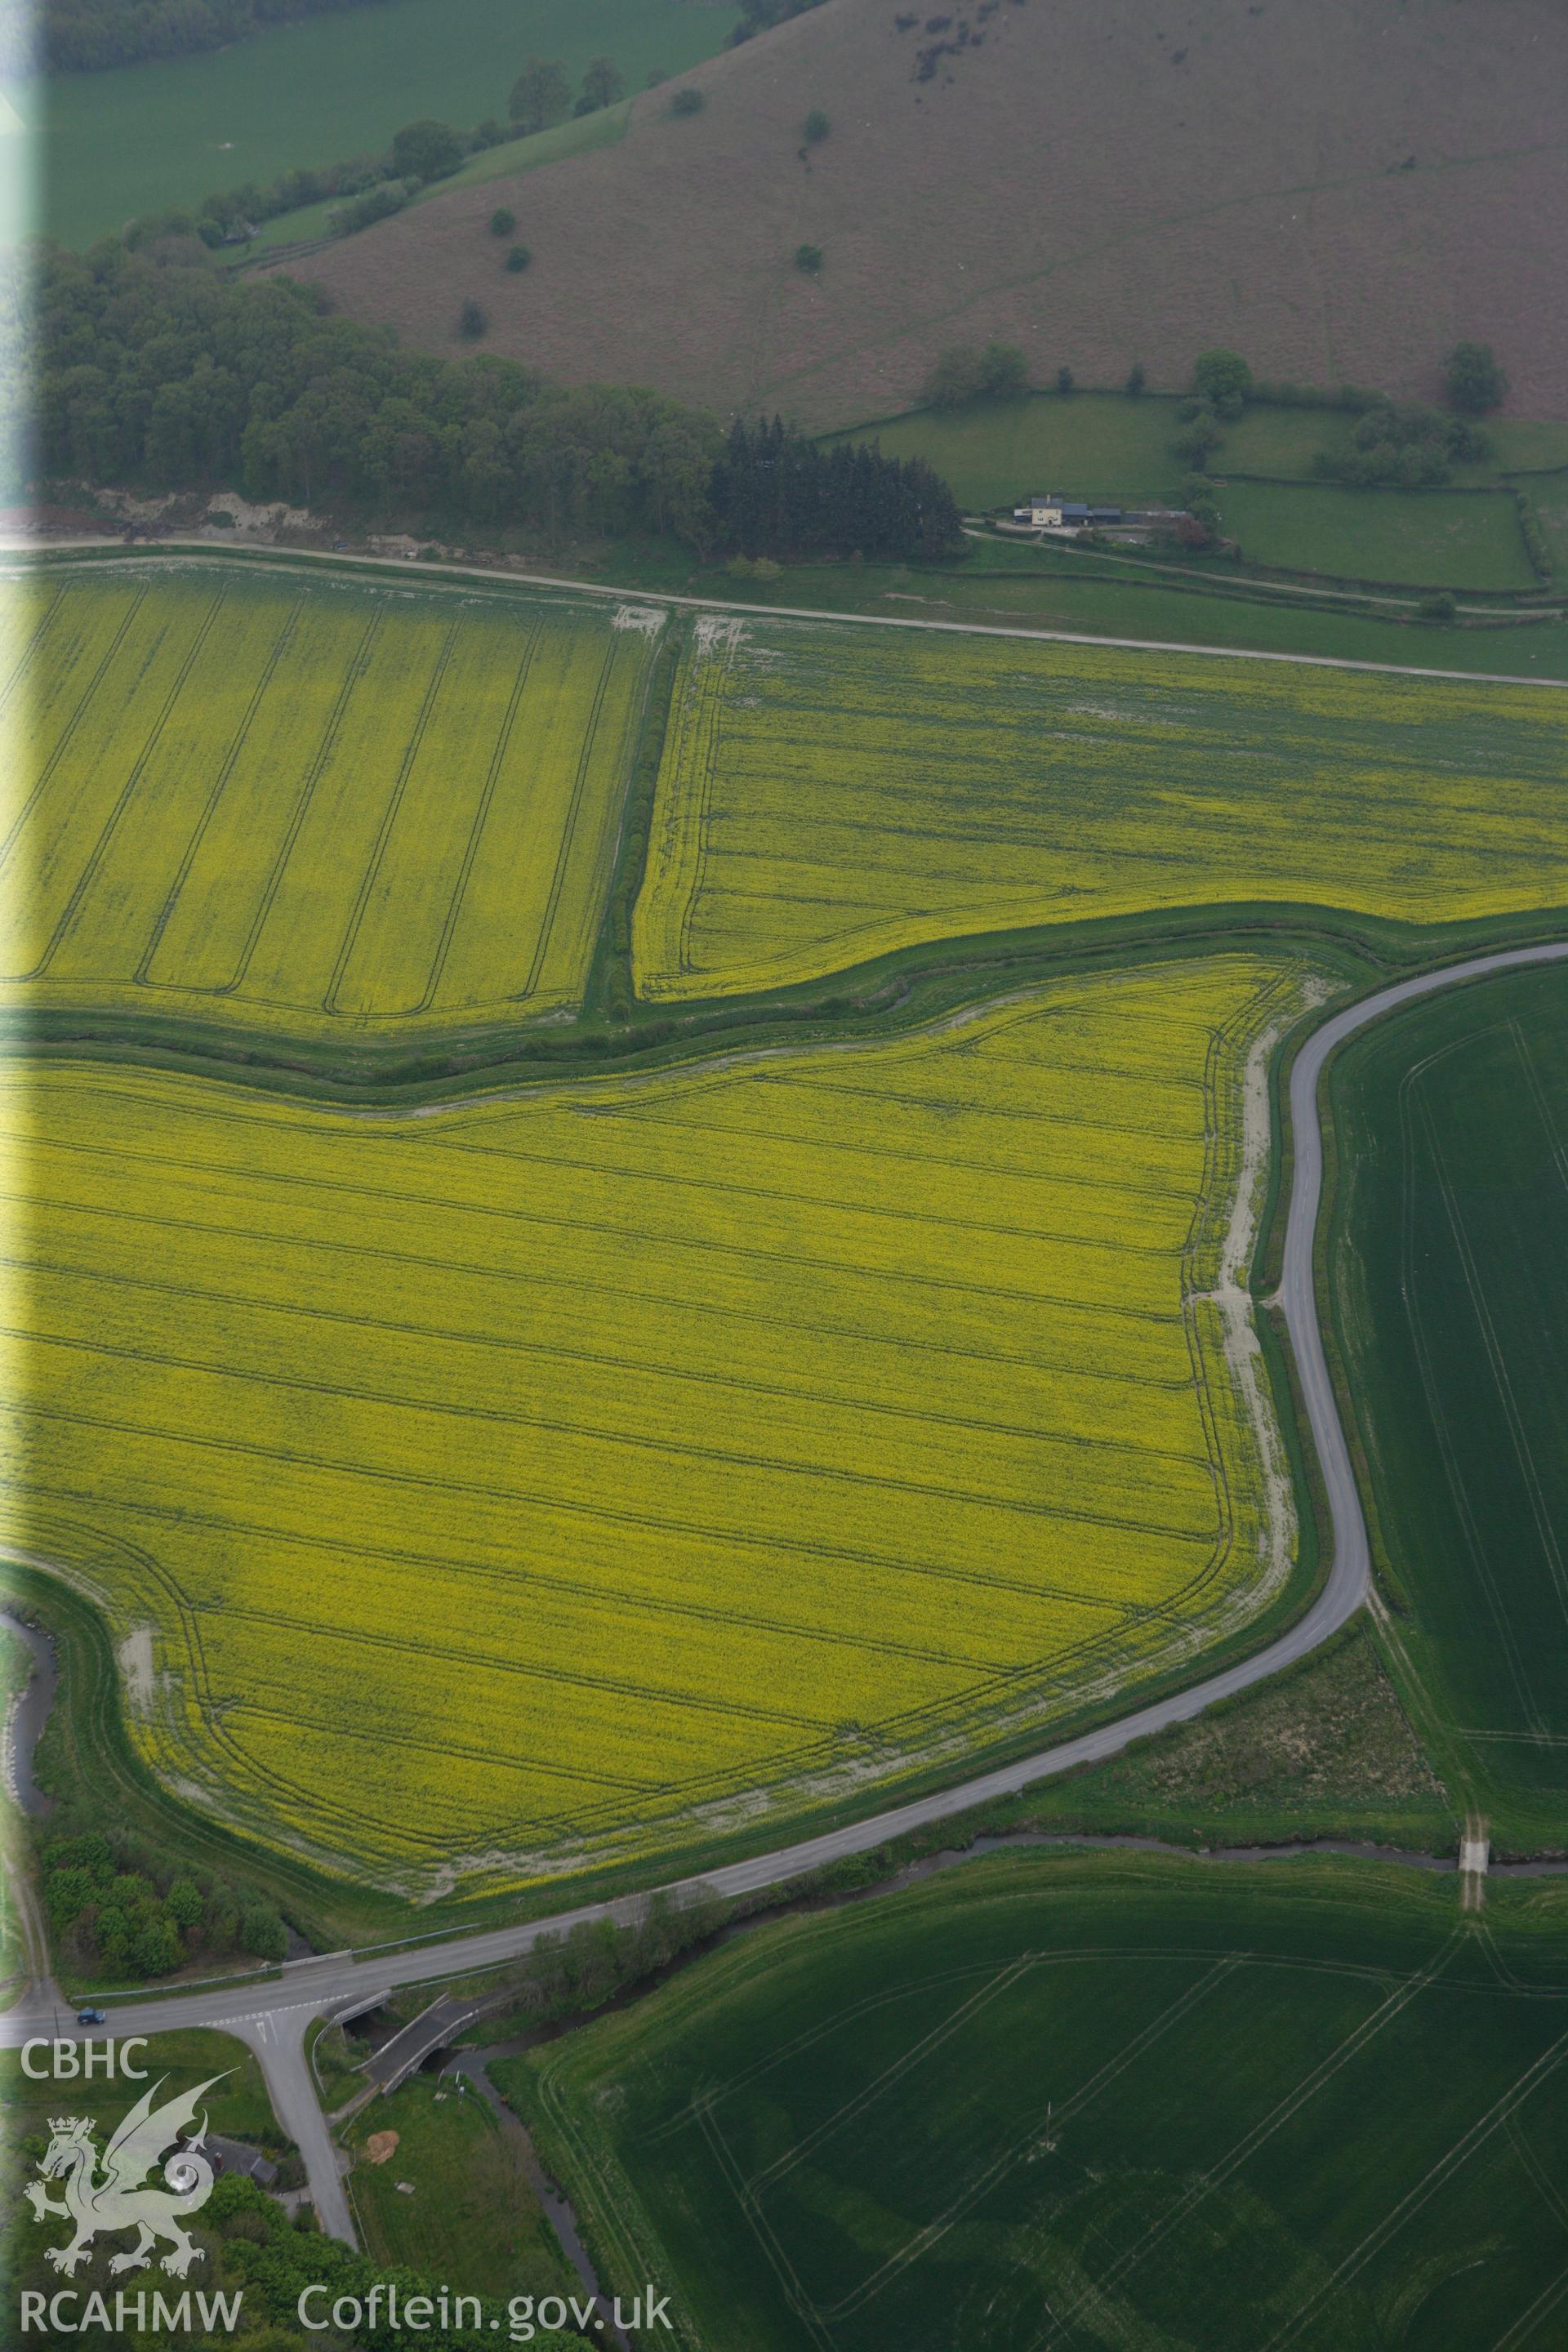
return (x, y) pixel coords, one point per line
(27, 1715)
(29, 1712)
(474, 2067)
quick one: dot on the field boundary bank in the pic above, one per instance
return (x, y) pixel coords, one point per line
(894, 994)
(111, 551)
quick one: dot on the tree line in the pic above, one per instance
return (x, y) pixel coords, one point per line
(122, 1908)
(380, 185)
(87, 35)
(154, 372)
(761, 15)
(781, 494)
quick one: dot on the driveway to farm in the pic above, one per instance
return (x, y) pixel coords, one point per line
(1546, 610)
(272, 2014)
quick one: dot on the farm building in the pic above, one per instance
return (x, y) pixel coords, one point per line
(1047, 510)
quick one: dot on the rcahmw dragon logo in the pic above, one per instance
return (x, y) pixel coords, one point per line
(114, 2197)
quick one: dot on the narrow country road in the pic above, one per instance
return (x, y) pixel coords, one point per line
(259, 555)
(271, 2016)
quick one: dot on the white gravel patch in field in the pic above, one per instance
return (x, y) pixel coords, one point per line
(133, 1656)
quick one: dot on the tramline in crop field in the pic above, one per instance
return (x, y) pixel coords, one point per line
(829, 793)
(1090, 2100)
(528, 1482)
(1450, 1300)
(311, 805)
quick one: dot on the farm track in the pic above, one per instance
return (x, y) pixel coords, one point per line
(272, 2016)
(1543, 606)
(769, 612)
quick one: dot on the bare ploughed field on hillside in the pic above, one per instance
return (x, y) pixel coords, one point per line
(1342, 188)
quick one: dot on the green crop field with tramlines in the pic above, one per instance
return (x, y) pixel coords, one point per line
(1100, 2101)
(830, 793)
(495, 1489)
(1451, 1304)
(310, 805)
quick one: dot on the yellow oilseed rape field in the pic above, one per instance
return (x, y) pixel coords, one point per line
(829, 793)
(308, 804)
(483, 1492)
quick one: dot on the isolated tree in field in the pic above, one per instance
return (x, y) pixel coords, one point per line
(809, 259)
(1440, 607)
(688, 100)
(1004, 371)
(1476, 383)
(518, 259)
(1199, 437)
(1223, 379)
(539, 96)
(1064, 380)
(472, 321)
(602, 83)
(426, 150)
(953, 379)
(816, 127)
(1137, 377)
(502, 223)
(962, 374)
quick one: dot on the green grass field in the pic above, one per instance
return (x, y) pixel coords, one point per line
(1094, 445)
(575, 137)
(143, 138)
(472, 2217)
(1548, 494)
(1451, 1296)
(1326, 1751)
(1013, 583)
(309, 805)
(1421, 539)
(1104, 445)
(237, 2106)
(997, 452)
(1091, 596)
(1094, 2101)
